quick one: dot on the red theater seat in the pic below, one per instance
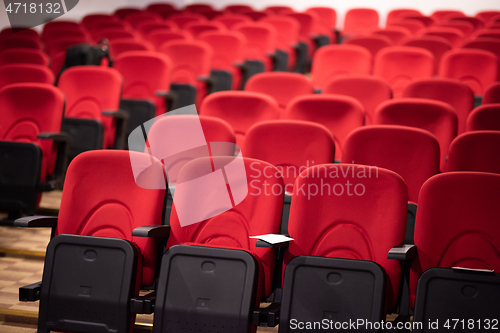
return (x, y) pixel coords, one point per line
(287, 37)
(396, 15)
(360, 21)
(197, 28)
(492, 94)
(160, 37)
(372, 43)
(24, 56)
(454, 36)
(475, 151)
(16, 73)
(435, 44)
(395, 33)
(484, 118)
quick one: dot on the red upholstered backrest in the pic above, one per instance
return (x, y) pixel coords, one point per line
(197, 28)
(459, 95)
(23, 56)
(410, 152)
(437, 117)
(360, 21)
(435, 44)
(401, 64)
(159, 37)
(229, 20)
(259, 213)
(373, 43)
(118, 46)
(241, 109)
(369, 90)
(228, 48)
(190, 59)
(349, 211)
(340, 114)
(484, 117)
(457, 225)
(261, 39)
(395, 33)
(492, 94)
(476, 68)
(183, 18)
(327, 16)
(399, 14)
(101, 198)
(291, 146)
(282, 86)
(16, 73)
(475, 151)
(147, 27)
(335, 60)
(453, 35)
(288, 29)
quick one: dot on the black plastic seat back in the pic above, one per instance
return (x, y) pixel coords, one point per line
(87, 285)
(329, 290)
(445, 294)
(205, 289)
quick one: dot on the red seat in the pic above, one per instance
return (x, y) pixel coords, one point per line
(164, 9)
(477, 23)
(9, 42)
(287, 37)
(441, 16)
(123, 12)
(160, 37)
(335, 60)
(487, 33)
(327, 17)
(454, 36)
(396, 15)
(238, 9)
(55, 35)
(192, 61)
(476, 68)
(340, 114)
(475, 151)
(26, 33)
(492, 94)
(281, 86)
(261, 42)
(114, 33)
(91, 20)
(483, 43)
(197, 28)
(119, 46)
(484, 118)
(181, 19)
(394, 33)
(370, 91)
(279, 10)
(435, 44)
(437, 117)
(310, 29)
(229, 20)
(233, 227)
(144, 74)
(410, 24)
(59, 46)
(399, 65)
(360, 21)
(286, 145)
(135, 19)
(16, 73)
(465, 27)
(459, 95)
(89, 91)
(412, 153)
(486, 15)
(456, 227)
(24, 56)
(198, 8)
(145, 28)
(372, 43)
(240, 109)
(256, 15)
(347, 222)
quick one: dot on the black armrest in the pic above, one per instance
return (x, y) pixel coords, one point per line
(170, 98)
(402, 252)
(269, 316)
(120, 117)
(143, 304)
(317, 91)
(31, 292)
(62, 141)
(36, 221)
(152, 231)
(209, 82)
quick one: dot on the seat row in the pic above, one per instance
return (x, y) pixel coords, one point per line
(343, 262)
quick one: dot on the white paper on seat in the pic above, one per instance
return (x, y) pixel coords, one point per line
(273, 238)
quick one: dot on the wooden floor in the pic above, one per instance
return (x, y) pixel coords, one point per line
(21, 262)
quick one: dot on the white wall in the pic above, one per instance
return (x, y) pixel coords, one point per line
(470, 7)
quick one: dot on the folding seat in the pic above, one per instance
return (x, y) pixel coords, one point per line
(475, 151)
(476, 68)
(484, 118)
(487, 15)
(192, 61)
(396, 15)
(10, 42)
(437, 117)
(114, 33)
(227, 64)
(181, 19)
(145, 28)
(240, 109)
(102, 204)
(327, 17)
(198, 8)
(394, 33)
(426, 20)
(54, 35)
(287, 40)
(119, 46)
(360, 21)
(91, 20)
(256, 15)
(135, 19)
(412, 25)
(229, 20)
(60, 25)
(337, 265)
(435, 44)
(160, 37)
(487, 33)
(454, 36)
(164, 9)
(336, 60)
(311, 32)
(25, 33)
(399, 65)
(260, 49)
(32, 149)
(369, 90)
(281, 86)
(123, 12)
(373, 43)
(477, 23)
(24, 56)
(453, 277)
(279, 10)
(465, 27)
(340, 114)
(487, 44)
(146, 86)
(17, 73)
(492, 94)
(441, 16)
(197, 28)
(92, 115)
(459, 95)
(238, 9)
